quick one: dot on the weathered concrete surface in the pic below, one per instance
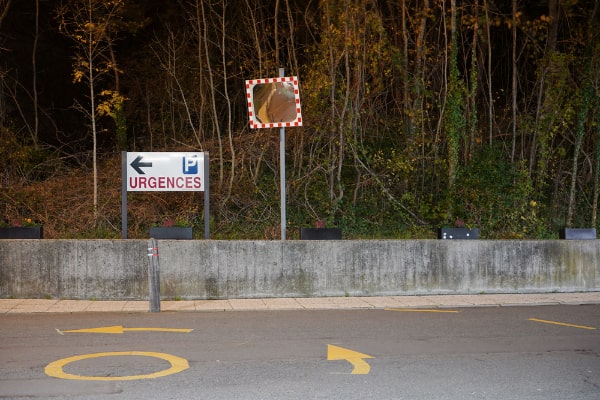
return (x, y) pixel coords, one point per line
(79, 269)
(117, 269)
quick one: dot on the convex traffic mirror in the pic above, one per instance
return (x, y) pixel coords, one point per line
(273, 102)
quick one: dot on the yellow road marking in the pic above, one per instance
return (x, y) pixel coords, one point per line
(55, 369)
(421, 310)
(562, 324)
(176, 330)
(361, 367)
(120, 330)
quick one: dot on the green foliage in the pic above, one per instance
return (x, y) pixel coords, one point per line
(21, 160)
(113, 105)
(497, 196)
(454, 119)
(558, 114)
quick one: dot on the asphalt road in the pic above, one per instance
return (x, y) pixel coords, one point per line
(543, 352)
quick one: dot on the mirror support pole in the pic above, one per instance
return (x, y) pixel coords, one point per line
(282, 172)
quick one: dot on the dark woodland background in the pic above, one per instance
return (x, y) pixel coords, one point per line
(416, 114)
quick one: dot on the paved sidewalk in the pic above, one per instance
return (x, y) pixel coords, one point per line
(11, 306)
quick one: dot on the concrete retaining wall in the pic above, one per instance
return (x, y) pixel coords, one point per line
(117, 269)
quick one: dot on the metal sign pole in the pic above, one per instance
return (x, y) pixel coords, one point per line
(153, 276)
(124, 194)
(282, 180)
(206, 197)
(282, 171)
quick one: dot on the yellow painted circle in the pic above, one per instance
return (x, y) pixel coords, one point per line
(178, 364)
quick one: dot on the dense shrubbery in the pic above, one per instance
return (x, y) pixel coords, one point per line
(491, 193)
(413, 117)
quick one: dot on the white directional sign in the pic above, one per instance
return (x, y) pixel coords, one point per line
(165, 172)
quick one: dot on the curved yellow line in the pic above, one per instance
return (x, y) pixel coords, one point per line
(361, 367)
(178, 364)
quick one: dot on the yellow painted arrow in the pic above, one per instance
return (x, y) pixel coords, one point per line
(361, 367)
(120, 330)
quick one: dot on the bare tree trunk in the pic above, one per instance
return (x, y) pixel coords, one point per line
(92, 82)
(87, 22)
(201, 92)
(169, 65)
(443, 95)
(4, 7)
(332, 90)
(420, 45)
(539, 135)
(36, 117)
(408, 120)
(228, 102)
(586, 100)
(215, 114)
(596, 192)
(454, 118)
(580, 131)
(256, 38)
(514, 80)
(149, 116)
(453, 141)
(534, 144)
(197, 21)
(474, 80)
(342, 121)
(489, 74)
(596, 86)
(419, 79)
(276, 33)
(291, 40)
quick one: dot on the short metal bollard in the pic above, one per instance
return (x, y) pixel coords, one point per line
(153, 276)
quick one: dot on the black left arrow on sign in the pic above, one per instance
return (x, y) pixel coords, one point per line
(137, 164)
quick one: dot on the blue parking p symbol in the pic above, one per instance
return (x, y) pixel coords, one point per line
(190, 165)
